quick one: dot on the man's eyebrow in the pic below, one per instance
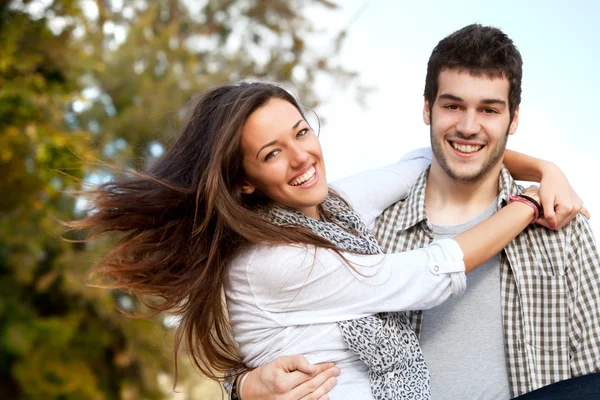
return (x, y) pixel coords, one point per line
(266, 145)
(452, 97)
(448, 96)
(493, 101)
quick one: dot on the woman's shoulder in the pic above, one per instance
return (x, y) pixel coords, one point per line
(264, 253)
(267, 267)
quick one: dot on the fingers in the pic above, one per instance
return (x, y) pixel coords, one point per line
(564, 215)
(291, 380)
(322, 392)
(585, 213)
(550, 219)
(318, 386)
(532, 189)
(543, 222)
(300, 363)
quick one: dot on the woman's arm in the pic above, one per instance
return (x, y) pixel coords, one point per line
(526, 168)
(489, 237)
(372, 191)
(558, 199)
(478, 244)
(296, 286)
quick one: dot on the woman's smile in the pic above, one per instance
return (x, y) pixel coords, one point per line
(306, 179)
(282, 158)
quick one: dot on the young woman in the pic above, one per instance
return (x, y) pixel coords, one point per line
(240, 204)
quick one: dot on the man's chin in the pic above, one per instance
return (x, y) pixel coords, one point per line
(462, 175)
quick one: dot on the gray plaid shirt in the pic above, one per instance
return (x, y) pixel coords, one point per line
(550, 281)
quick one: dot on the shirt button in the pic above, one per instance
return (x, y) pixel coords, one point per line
(436, 268)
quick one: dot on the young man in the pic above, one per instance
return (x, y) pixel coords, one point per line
(531, 315)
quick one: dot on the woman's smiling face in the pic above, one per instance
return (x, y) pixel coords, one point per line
(282, 158)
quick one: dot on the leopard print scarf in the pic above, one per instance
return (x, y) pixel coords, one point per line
(385, 342)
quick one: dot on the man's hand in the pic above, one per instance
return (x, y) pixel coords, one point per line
(558, 199)
(290, 378)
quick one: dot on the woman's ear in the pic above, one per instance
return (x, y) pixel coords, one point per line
(248, 188)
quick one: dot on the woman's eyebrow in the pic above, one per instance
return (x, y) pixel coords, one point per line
(266, 145)
(275, 141)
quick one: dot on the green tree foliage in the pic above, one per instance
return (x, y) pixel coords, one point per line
(100, 79)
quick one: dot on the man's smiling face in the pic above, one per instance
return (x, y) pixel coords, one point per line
(469, 124)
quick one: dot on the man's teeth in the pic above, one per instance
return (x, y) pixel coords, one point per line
(304, 177)
(466, 148)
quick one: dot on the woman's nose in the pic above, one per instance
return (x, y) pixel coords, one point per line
(299, 156)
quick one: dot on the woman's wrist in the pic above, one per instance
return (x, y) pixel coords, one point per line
(530, 202)
(241, 380)
(237, 385)
(548, 169)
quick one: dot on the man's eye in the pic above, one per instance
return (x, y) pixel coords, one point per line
(271, 155)
(452, 107)
(490, 111)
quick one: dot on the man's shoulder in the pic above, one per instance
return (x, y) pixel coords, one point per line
(391, 215)
(397, 207)
(577, 226)
(575, 236)
(396, 226)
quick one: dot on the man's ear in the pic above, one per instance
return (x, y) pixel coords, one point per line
(515, 122)
(426, 112)
(248, 188)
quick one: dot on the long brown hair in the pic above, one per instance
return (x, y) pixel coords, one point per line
(183, 221)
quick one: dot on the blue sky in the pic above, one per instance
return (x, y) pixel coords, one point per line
(389, 45)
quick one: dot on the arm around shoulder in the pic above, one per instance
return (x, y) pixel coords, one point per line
(372, 191)
(307, 285)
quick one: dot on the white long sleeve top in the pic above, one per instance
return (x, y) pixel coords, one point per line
(286, 299)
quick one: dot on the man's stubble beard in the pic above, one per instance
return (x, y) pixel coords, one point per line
(438, 153)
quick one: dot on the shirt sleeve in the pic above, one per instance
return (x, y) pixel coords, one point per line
(585, 305)
(372, 191)
(307, 285)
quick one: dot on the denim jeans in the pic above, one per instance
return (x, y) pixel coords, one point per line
(586, 387)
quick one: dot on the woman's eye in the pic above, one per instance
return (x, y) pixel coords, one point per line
(302, 132)
(271, 155)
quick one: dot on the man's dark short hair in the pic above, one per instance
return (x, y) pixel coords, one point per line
(480, 51)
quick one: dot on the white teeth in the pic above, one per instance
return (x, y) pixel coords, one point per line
(466, 148)
(304, 177)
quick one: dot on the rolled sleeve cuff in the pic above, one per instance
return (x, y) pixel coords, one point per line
(451, 262)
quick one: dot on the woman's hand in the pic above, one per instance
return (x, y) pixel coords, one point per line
(533, 191)
(558, 199)
(290, 378)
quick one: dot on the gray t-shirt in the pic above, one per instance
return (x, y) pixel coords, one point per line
(462, 339)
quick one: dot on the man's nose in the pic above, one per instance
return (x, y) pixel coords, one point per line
(468, 123)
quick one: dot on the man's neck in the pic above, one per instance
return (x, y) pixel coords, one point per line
(450, 202)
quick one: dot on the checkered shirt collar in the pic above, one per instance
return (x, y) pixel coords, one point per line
(415, 213)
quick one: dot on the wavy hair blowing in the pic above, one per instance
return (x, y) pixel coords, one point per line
(183, 221)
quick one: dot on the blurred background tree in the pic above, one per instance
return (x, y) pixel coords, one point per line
(108, 80)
